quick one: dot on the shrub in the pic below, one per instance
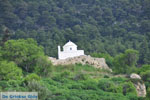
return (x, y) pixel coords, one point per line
(90, 85)
(43, 66)
(73, 98)
(118, 79)
(132, 97)
(32, 77)
(106, 76)
(81, 76)
(15, 85)
(66, 74)
(76, 86)
(128, 88)
(43, 92)
(9, 71)
(148, 93)
(107, 85)
(144, 68)
(57, 77)
(4, 84)
(146, 75)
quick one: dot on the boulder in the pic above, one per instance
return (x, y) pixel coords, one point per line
(135, 76)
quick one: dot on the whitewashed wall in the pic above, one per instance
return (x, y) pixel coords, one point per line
(64, 55)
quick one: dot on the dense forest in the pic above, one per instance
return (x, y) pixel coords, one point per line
(103, 26)
(117, 30)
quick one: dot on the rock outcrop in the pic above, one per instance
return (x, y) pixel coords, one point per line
(95, 62)
(135, 76)
(141, 89)
(139, 85)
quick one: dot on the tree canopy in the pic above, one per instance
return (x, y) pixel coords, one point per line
(23, 52)
(103, 26)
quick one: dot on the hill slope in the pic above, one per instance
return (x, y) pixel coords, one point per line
(25, 67)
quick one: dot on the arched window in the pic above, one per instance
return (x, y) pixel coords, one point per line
(70, 48)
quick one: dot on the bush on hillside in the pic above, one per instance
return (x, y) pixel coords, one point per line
(80, 76)
(32, 77)
(10, 71)
(144, 68)
(106, 85)
(43, 92)
(43, 66)
(128, 88)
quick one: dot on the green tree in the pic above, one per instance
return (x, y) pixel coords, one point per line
(23, 52)
(9, 71)
(46, 19)
(146, 8)
(29, 23)
(131, 57)
(20, 34)
(123, 63)
(144, 52)
(22, 9)
(7, 13)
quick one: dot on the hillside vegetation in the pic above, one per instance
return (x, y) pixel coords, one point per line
(24, 67)
(117, 30)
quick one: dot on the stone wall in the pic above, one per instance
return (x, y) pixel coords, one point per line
(95, 62)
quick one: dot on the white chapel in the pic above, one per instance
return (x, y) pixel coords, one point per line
(69, 50)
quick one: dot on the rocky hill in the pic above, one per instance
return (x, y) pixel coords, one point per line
(95, 62)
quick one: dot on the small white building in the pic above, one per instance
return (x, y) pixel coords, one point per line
(69, 50)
